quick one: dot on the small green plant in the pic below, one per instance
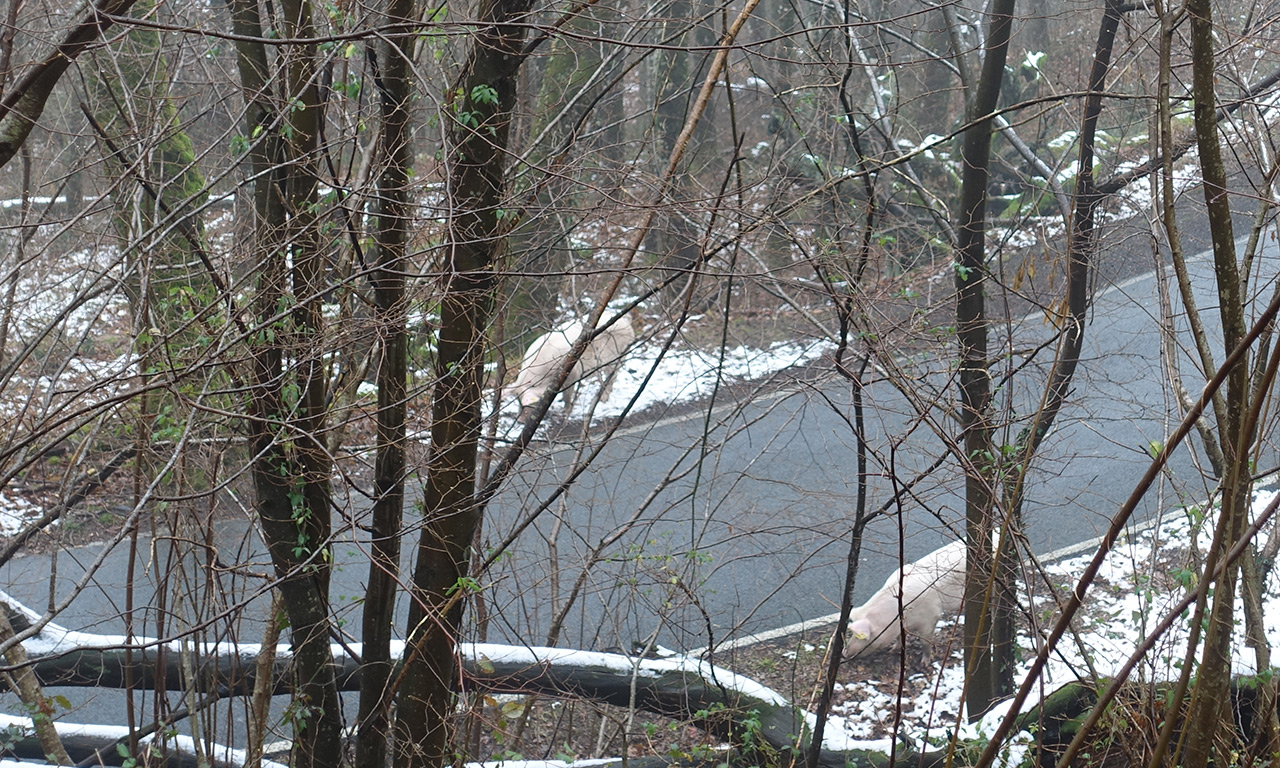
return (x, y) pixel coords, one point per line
(566, 753)
(507, 755)
(298, 713)
(1186, 577)
(467, 584)
(484, 94)
(9, 737)
(753, 731)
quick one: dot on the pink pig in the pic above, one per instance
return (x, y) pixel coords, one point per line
(931, 586)
(543, 358)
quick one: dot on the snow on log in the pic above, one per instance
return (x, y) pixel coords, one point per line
(96, 744)
(678, 686)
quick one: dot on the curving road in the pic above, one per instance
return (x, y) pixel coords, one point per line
(766, 493)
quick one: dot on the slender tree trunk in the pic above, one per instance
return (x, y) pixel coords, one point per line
(260, 697)
(975, 377)
(391, 237)
(476, 152)
(291, 468)
(1209, 712)
(22, 105)
(41, 710)
(1080, 249)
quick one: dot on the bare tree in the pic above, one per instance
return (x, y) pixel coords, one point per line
(378, 202)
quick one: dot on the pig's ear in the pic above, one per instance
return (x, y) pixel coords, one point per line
(861, 629)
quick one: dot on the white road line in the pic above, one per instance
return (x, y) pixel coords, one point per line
(804, 626)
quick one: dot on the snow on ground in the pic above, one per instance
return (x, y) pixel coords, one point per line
(1138, 584)
(681, 375)
(1134, 200)
(15, 514)
(693, 374)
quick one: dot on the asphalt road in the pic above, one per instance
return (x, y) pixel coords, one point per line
(693, 530)
(753, 532)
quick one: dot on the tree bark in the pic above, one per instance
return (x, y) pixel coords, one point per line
(1209, 713)
(391, 236)
(24, 681)
(291, 466)
(974, 375)
(1081, 246)
(475, 152)
(23, 104)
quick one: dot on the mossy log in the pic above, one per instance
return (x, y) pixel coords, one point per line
(1057, 719)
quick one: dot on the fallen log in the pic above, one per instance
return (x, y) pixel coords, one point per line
(96, 745)
(722, 701)
(679, 686)
(1057, 718)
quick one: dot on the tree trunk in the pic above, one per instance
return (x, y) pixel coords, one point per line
(22, 105)
(24, 681)
(1081, 246)
(476, 143)
(391, 238)
(291, 468)
(975, 377)
(1209, 711)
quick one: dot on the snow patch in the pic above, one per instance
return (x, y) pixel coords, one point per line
(15, 514)
(113, 733)
(687, 374)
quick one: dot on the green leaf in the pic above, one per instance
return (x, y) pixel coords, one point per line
(484, 94)
(513, 709)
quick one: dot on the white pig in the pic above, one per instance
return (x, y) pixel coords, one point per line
(543, 358)
(931, 586)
